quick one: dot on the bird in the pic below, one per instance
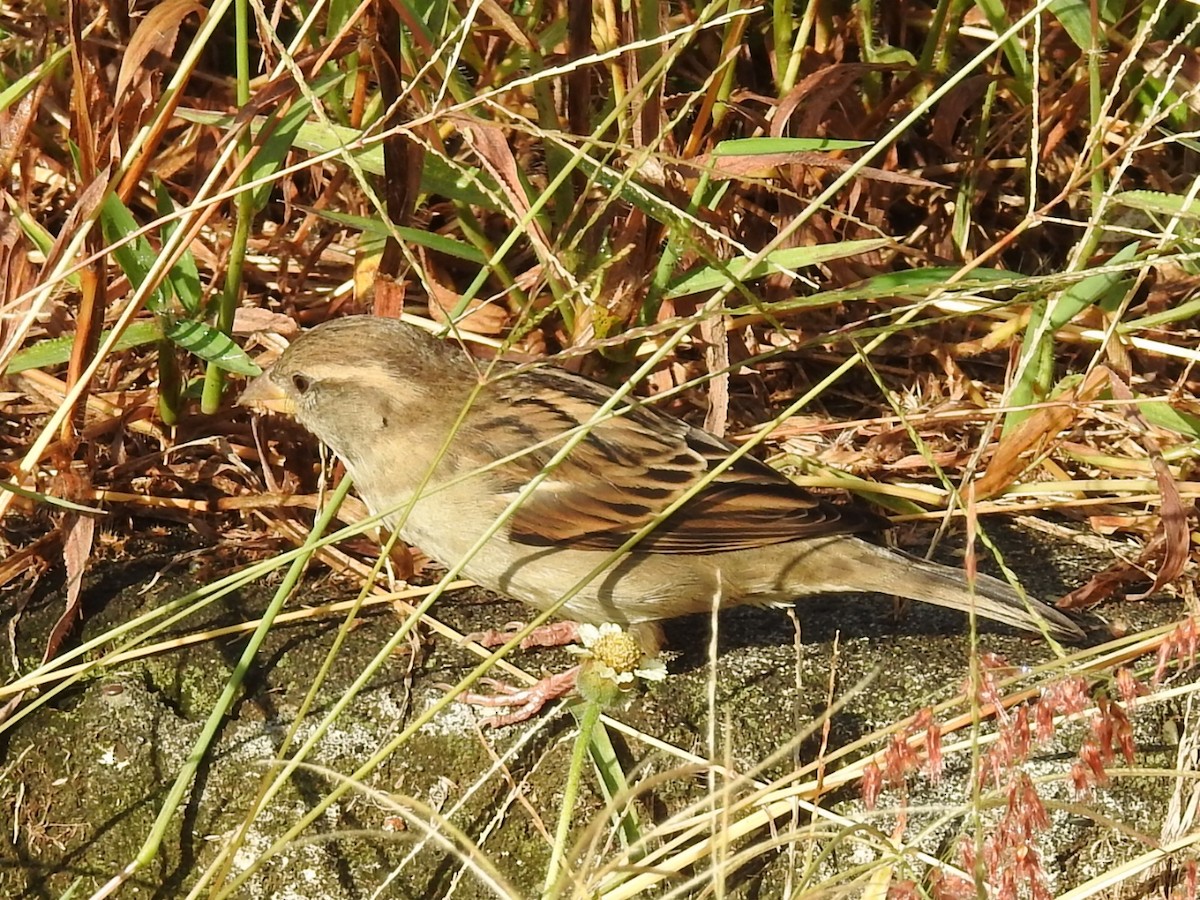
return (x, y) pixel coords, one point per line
(443, 443)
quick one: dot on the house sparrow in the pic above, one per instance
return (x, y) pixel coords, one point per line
(411, 415)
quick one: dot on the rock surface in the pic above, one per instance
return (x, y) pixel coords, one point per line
(88, 768)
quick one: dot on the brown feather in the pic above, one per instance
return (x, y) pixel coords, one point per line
(630, 468)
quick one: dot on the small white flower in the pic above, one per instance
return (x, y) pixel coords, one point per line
(651, 668)
(590, 635)
(612, 661)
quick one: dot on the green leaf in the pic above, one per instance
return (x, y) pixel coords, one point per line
(996, 12)
(46, 498)
(1162, 317)
(376, 228)
(438, 176)
(135, 257)
(903, 282)
(211, 345)
(1076, 19)
(184, 276)
(281, 135)
(1164, 415)
(894, 56)
(42, 239)
(1092, 290)
(56, 351)
(1038, 374)
(611, 778)
(914, 285)
(764, 145)
(43, 71)
(1160, 203)
(708, 278)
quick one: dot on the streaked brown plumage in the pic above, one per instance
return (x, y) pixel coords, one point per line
(411, 415)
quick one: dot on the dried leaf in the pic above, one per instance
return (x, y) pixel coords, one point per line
(78, 535)
(15, 122)
(248, 320)
(1106, 583)
(480, 317)
(716, 356)
(1009, 460)
(489, 144)
(764, 165)
(1174, 518)
(156, 33)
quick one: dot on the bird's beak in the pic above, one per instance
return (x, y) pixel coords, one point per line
(264, 395)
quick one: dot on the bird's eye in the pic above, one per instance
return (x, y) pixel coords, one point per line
(301, 382)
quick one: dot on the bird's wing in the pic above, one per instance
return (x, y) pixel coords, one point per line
(630, 468)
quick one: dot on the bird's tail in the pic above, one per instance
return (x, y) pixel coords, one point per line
(929, 582)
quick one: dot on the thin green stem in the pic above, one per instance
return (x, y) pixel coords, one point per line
(214, 376)
(216, 718)
(587, 722)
